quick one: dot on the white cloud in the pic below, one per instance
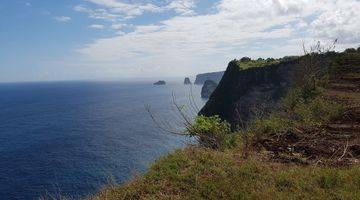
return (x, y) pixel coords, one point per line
(98, 13)
(117, 10)
(184, 7)
(81, 8)
(341, 20)
(126, 10)
(188, 43)
(63, 19)
(97, 26)
(118, 26)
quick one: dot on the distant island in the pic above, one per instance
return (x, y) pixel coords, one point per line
(160, 83)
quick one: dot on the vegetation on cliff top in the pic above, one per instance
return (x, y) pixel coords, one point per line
(307, 149)
(246, 62)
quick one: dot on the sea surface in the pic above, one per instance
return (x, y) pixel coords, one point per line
(72, 138)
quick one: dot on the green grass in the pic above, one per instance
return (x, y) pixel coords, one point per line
(196, 173)
(262, 62)
(255, 63)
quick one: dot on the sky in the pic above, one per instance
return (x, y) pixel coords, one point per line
(121, 39)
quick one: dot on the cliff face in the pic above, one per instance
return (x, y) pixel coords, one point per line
(208, 88)
(214, 76)
(241, 92)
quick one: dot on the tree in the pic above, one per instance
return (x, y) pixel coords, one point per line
(270, 60)
(245, 59)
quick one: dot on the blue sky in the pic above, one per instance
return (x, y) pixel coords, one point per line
(99, 39)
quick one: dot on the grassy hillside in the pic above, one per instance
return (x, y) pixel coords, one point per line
(196, 173)
(308, 148)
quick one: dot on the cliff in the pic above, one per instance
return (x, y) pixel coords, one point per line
(214, 76)
(239, 91)
(208, 88)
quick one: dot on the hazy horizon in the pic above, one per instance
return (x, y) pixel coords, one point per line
(117, 39)
(113, 79)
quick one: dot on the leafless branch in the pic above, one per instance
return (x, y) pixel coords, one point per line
(162, 125)
(345, 150)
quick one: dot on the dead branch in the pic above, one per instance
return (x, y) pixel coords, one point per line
(160, 124)
(345, 150)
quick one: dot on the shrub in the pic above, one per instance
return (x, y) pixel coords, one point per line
(292, 99)
(299, 95)
(300, 107)
(318, 111)
(350, 50)
(274, 124)
(245, 59)
(212, 132)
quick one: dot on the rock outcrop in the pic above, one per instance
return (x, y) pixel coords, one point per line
(240, 91)
(160, 83)
(208, 88)
(214, 76)
(187, 81)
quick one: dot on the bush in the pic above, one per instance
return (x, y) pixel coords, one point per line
(245, 59)
(292, 99)
(289, 58)
(299, 95)
(212, 132)
(350, 50)
(317, 112)
(274, 124)
(300, 107)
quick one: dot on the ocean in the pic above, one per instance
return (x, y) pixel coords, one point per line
(72, 138)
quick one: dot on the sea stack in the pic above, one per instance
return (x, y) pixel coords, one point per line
(208, 88)
(160, 83)
(187, 81)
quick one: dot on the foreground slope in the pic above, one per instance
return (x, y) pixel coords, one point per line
(196, 173)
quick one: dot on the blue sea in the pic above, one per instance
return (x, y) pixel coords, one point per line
(72, 138)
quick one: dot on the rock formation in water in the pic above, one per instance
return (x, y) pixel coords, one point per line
(208, 88)
(160, 83)
(187, 81)
(214, 76)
